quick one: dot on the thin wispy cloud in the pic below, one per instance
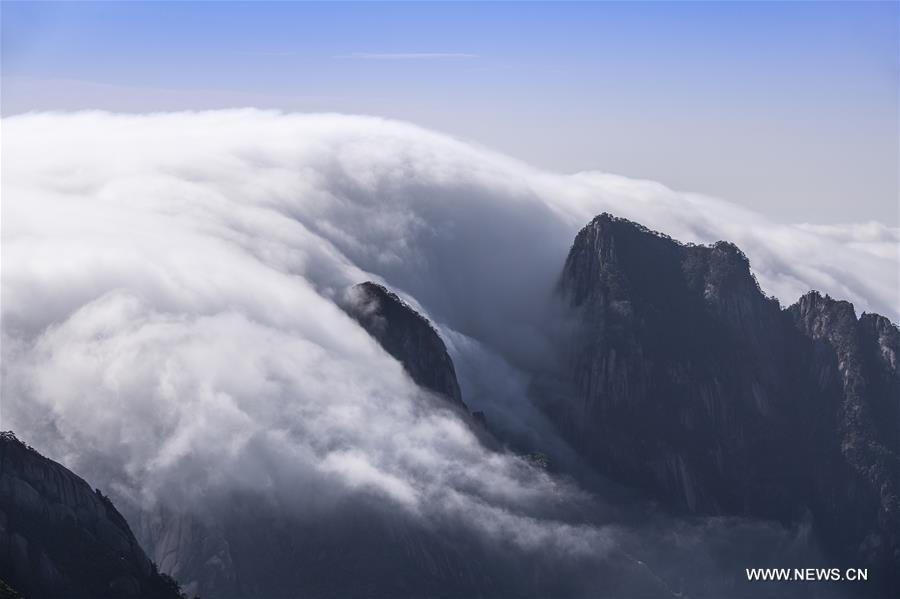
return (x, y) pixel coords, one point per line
(408, 55)
(266, 53)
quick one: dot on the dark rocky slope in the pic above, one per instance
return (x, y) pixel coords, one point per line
(688, 382)
(60, 538)
(407, 336)
(364, 548)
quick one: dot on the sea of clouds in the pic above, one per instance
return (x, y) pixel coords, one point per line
(171, 287)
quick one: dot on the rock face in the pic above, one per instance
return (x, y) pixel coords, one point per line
(407, 336)
(193, 551)
(365, 550)
(59, 538)
(689, 383)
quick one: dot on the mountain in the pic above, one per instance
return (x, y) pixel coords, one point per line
(407, 336)
(60, 538)
(687, 382)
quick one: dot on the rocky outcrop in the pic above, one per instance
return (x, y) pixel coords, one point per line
(688, 382)
(60, 538)
(854, 389)
(407, 336)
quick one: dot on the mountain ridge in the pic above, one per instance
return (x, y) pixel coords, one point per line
(693, 385)
(60, 538)
(407, 336)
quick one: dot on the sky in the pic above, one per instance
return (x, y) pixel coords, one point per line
(790, 109)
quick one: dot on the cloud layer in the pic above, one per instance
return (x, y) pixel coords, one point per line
(169, 319)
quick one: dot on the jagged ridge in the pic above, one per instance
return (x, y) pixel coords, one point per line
(691, 384)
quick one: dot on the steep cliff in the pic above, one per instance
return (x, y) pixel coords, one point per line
(853, 398)
(60, 538)
(407, 336)
(691, 384)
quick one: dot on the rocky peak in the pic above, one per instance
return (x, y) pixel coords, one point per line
(407, 336)
(693, 385)
(886, 337)
(649, 282)
(60, 538)
(605, 250)
(822, 316)
(634, 262)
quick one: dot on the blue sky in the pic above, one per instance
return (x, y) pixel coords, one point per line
(791, 108)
